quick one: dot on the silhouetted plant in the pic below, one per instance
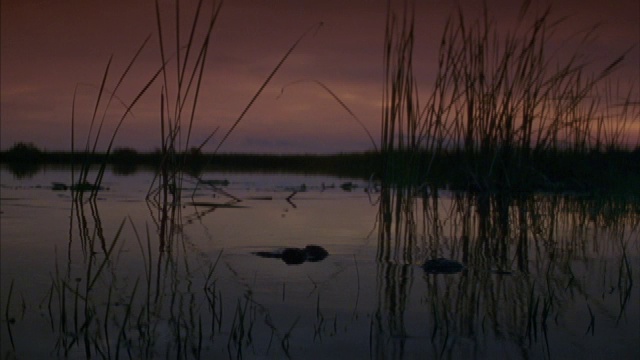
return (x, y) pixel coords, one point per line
(500, 98)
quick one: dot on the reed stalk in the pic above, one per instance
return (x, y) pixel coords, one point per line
(500, 98)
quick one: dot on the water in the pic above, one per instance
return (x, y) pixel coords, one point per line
(545, 276)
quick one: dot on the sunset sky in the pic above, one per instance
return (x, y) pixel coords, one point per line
(48, 48)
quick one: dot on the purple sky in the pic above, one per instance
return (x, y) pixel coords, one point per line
(49, 47)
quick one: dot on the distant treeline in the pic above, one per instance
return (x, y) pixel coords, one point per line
(126, 161)
(550, 170)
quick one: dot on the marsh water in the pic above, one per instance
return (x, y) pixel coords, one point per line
(545, 275)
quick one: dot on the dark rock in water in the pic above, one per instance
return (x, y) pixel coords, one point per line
(315, 253)
(442, 266)
(296, 256)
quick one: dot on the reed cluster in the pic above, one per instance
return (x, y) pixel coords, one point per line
(536, 265)
(501, 97)
(505, 113)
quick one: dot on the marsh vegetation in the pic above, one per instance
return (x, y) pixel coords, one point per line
(157, 257)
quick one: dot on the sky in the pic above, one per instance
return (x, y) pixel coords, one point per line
(51, 49)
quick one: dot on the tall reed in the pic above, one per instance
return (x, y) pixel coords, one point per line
(81, 185)
(500, 97)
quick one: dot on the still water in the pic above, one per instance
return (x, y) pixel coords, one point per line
(125, 275)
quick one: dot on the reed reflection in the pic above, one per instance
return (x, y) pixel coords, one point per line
(397, 246)
(98, 306)
(531, 263)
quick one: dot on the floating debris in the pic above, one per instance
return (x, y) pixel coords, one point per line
(301, 188)
(348, 186)
(323, 186)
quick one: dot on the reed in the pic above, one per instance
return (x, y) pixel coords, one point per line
(592, 322)
(8, 319)
(500, 98)
(401, 113)
(522, 252)
(521, 307)
(81, 184)
(538, 237)
(500, 103)
(239, 337)
(178, 112)
(287, 336)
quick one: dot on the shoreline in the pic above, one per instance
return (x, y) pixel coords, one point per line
(615, 171)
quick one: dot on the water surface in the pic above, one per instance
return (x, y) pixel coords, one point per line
(546, 276)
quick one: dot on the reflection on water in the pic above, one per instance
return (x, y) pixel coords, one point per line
(536, 268)
(197, 271)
